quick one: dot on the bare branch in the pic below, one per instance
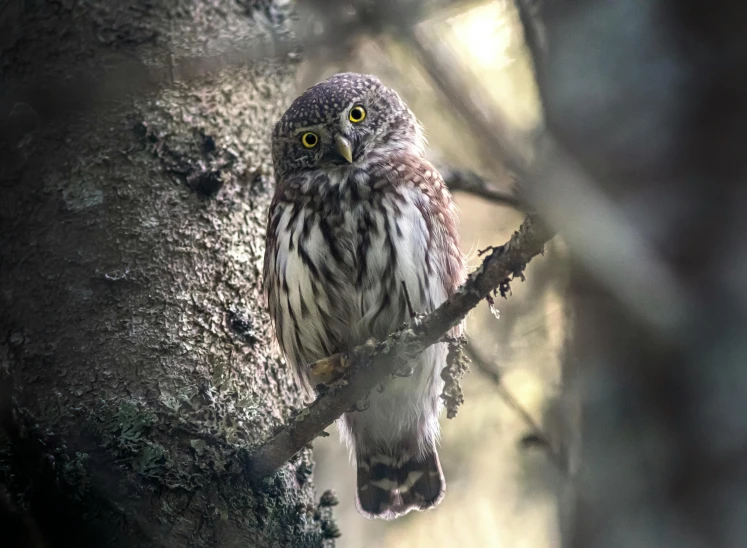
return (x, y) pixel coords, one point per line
(539, 436)
(372, 362)
(463, 180)
(481, 364)
(355, 373)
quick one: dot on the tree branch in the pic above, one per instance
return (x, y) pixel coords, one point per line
(537, 433)
(370, 364)
(464, 180)
(354, 374)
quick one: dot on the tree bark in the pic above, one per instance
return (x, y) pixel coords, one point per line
(135, 355)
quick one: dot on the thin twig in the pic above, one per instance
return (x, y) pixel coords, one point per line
(372, 362)
(482, 365)
(463, 180)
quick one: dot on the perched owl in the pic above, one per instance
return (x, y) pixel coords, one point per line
(361, 221)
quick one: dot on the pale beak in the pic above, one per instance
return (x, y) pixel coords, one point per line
(344, 148)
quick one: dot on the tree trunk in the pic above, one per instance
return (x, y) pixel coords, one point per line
(135, 355)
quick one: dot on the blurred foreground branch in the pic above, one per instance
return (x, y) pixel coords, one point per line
(534, 34)
(501, 142)
(326, 27)
(339, 24)
(371, 363)
(654, 216)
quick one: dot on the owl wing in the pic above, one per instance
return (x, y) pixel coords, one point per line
(444, 260)
(282, 217)
(297, 273)
(270, 276)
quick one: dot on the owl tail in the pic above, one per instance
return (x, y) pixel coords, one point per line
(391, 485)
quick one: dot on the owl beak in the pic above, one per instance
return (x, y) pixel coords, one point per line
(343, 148)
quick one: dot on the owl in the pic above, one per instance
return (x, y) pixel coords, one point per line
(360, 225)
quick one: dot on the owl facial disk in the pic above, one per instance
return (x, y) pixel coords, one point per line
(343, 121)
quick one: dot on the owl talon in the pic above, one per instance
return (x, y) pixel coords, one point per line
(410, 309)
(406, 371)
(328, 370)
(360, 405)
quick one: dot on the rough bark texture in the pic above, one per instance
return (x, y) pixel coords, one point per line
(135, 355)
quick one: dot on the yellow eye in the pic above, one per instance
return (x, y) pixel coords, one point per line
(309, 139)
(357, 114)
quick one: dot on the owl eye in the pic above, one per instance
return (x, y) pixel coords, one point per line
(357, 114)
(309, 139)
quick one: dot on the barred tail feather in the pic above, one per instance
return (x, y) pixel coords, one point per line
(390, 486)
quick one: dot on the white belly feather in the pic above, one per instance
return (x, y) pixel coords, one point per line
(330, 317)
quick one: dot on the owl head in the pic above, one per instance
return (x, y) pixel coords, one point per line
(348, 120)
